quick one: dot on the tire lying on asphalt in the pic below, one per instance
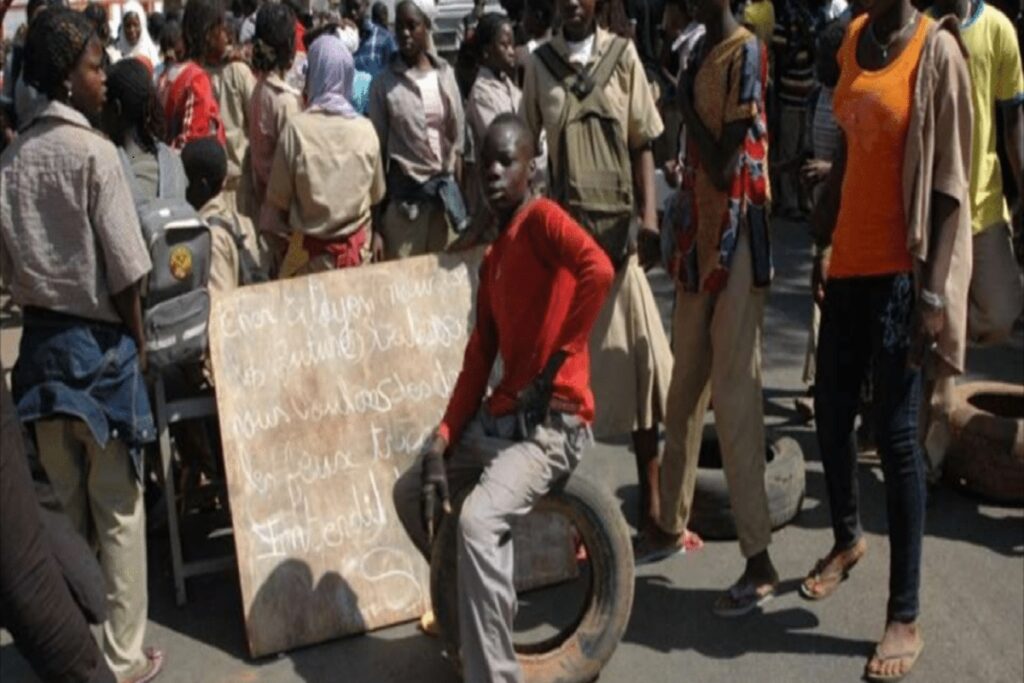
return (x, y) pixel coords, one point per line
(578, 652)
(986, 452)
(784, 482)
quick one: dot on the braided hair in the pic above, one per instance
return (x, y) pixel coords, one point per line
(56, 40)
(201, 16)
(274, 44)
(129, 85)
(488, 29)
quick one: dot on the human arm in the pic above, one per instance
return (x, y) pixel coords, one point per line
(128, 304)
(1008, 92)
(481, 350)
(823, 221)
(273, 217)
(648, 241)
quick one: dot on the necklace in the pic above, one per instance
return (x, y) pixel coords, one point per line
(884, 47)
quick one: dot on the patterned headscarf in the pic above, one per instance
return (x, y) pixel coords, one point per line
(329, 77)
(55, 42)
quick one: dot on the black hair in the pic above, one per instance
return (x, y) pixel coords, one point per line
(273, 45)
(155, 24)
(379, 13)
(826, 66)
(205, 162)
(416, 8)
(488, 29)
(199, 19)
(543, 10)
(170, 36)
(611, 14)
(97, 14)
(56, 40)
(517, 124)
(34, 5)
(130, 86)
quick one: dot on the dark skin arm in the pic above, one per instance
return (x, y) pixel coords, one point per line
(823, 222)
(128, 304)
(718, 156)
(1013, 120)
(646, 192)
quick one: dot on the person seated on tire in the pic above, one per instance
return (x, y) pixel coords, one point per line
(542, 284)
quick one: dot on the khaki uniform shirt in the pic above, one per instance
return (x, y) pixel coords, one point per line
(273, 103)
(397, 113)
(491, 95)
(327, 174)
(628, 92)
(69, 234)
(233, 85)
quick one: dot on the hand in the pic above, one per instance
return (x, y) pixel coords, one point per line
(377, 247)
(673, 173)
(814, 171)
(929, 321)
(535, 397)
(434, 479)
(819, 275)
(648, 247)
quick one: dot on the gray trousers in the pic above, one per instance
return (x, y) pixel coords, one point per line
(507, 478)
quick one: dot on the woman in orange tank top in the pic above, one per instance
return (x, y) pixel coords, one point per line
(880, 305)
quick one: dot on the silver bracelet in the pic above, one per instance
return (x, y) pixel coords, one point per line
(931, 299)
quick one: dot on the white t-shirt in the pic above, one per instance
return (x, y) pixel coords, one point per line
(433, 106)
(579, 53)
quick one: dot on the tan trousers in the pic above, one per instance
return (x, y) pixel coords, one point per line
(997, 290)
(103, 497)
(717, 344)
(427, 233)
(995, 300)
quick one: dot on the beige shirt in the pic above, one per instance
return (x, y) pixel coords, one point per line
(233, 85)
(398, 115)
(628, 92)
(491, 95)
(327, 174)
(69, 234)
(273, 103)
(224, 262)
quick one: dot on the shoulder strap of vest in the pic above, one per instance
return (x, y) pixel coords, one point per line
(582, 82)
(604, 69)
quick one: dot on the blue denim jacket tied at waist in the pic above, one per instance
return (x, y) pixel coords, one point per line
(71, 366)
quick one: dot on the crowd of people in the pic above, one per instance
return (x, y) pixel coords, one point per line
(315, 142)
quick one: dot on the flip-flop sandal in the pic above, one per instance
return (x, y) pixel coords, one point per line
(155, 664)
(912, 655)
(827, 581)
(742, 598)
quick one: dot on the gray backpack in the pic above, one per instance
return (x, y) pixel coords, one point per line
(176, 298)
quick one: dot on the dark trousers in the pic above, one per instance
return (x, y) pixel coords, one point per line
(36, 601)
(865, 324)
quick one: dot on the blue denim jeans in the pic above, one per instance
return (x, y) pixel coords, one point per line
(865, 326)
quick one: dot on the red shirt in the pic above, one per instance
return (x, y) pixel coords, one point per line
(191, 109)
(542, 285)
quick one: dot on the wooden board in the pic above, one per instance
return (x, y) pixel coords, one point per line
(326, 387)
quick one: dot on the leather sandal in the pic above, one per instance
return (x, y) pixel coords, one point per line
(830, 571)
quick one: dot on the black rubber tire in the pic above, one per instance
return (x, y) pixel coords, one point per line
(784, 482)
(579, 651)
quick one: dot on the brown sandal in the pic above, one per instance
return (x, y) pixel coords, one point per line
(830, 571)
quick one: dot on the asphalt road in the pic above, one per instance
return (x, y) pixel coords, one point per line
(972, 594)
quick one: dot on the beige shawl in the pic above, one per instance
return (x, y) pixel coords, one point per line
(938, 158)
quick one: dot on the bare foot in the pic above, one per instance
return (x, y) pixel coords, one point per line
(896, 654)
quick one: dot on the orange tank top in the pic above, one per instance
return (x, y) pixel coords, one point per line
(873, 110)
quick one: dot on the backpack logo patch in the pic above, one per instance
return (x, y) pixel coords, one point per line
(180, 262)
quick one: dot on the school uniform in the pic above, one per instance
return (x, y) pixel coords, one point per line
(70, 239)
(421, 126)
(327, 174)
(274, 102)
(233, 85)
(628, 344)
(541, 287)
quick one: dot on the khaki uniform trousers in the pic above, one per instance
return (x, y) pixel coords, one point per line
(427, 233)
(994, 303)
(102, 496)
(717, 344)
(507, 478)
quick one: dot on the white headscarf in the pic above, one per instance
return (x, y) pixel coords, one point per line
(145, 47)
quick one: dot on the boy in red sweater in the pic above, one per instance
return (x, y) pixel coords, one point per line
(542, 284)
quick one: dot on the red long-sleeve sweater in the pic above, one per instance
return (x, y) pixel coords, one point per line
(542, 285)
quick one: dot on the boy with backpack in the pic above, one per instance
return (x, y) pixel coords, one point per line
(586, 90)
